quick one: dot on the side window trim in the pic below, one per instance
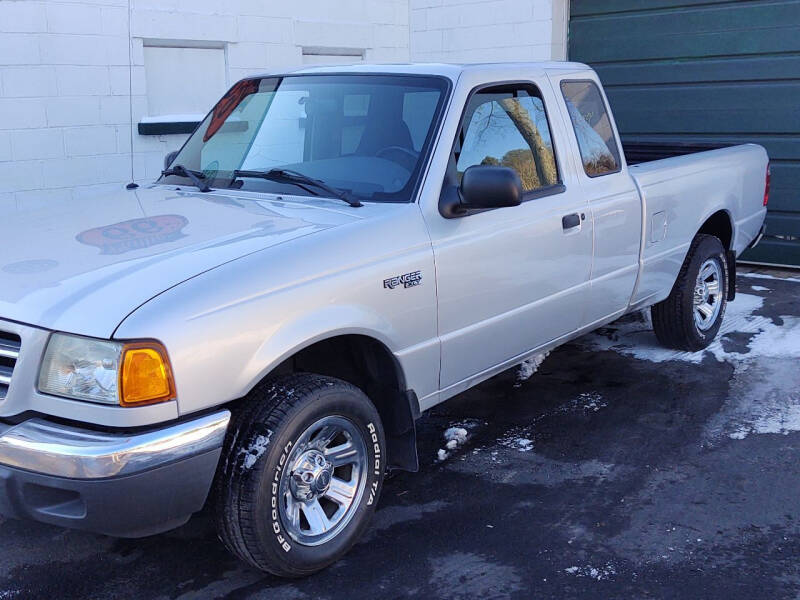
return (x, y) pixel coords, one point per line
(614, 134)
(556, 188)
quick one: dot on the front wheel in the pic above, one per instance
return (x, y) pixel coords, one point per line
(690, 317)
(301, 474)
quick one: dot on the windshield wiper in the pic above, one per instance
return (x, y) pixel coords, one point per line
(195, 176)
(298, 179)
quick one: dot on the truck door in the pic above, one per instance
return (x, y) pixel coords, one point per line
(614, 202)
(509, 279)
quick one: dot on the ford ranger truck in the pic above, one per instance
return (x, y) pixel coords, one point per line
(333, 251)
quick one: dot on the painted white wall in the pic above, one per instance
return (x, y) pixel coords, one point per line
(68, 93)
(488, 30)
(202, 71)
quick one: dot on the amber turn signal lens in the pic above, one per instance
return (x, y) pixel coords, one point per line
(146, 375)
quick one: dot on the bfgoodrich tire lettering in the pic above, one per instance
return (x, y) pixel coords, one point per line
(266, 444)
(674, 320)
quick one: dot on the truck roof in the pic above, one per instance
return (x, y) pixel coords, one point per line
(450, 70)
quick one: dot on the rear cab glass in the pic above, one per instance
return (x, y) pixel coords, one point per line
(592, 125)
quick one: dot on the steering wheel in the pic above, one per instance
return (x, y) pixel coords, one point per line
(404, 157)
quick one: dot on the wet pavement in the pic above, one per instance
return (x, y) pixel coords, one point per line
(618, 470)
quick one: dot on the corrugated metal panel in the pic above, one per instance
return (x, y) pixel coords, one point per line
(705, 72)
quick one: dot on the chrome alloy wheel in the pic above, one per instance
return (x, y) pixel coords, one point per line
(708, 294)
(323, 482)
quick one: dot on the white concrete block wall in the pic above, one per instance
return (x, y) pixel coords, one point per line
(56, 65)
(65, 80)
(71, 78)
(488, 30)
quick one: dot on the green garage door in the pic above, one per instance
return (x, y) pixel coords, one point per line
(693, 74)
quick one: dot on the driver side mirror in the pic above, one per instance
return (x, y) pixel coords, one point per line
(169, 158)
(482, 187)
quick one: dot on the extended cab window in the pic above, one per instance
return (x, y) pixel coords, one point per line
(507, 126)
(589, 117)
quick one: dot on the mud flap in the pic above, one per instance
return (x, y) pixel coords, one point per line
(730, 256)
(399, 412)
(401, 436)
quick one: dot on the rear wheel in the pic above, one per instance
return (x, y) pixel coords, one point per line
(301, 474)
(690, 317)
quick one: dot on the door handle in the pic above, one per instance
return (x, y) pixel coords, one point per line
(570, 221)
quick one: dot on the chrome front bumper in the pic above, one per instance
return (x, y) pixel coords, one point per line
(51, 449)
(119, 484)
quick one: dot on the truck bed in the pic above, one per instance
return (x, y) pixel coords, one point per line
(679, 189)
(637, 152)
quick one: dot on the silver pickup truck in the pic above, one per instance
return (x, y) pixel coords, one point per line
(333, 251)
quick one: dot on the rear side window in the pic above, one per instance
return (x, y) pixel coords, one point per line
(507, 126)
(587, 111)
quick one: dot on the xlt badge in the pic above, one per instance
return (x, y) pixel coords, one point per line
(408, 280)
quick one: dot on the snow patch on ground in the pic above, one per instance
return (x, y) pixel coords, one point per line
(586, 401)
(765, 388)
(522, 444)
(598, 573)
(759, 288)
(632, 336)
(255, 450)
(777, 341)
(453, 438)
(513, 459)
(516, 440)
(592, 401)
(521, 438)
(772, 277)
(785, 420)
(528, 367)
(764, 398)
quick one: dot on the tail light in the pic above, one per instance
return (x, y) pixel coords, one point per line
(766, 187)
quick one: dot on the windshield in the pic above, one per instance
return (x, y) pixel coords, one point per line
(366, 135)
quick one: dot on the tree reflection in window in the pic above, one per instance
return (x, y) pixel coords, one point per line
(509, 128)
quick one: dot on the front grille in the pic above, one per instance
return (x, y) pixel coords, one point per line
(9, 353)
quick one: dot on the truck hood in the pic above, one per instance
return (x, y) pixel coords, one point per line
(83, 266)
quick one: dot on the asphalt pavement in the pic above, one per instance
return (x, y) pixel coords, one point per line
(618, 470)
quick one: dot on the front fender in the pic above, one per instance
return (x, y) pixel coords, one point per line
(226, 329)
(293, 336)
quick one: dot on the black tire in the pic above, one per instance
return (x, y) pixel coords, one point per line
(673, 319)
(280, 411)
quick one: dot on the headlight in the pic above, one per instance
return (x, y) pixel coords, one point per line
(124, 373)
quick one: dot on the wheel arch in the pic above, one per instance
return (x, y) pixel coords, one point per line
(364, 359)
(720, 225)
